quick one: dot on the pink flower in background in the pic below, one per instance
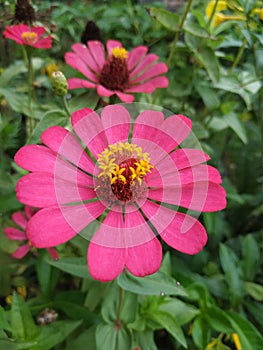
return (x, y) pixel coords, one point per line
(22, 34)
(136, 187)
(15, 234)
(119, 72)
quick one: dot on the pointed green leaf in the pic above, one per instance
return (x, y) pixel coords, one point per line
(217, 319)
(182, 312)
(201, 332)
(81, 341)
(249, 336)
(168, 19)
(72, 265)
(236, 125)
(251, 257)
(54, 333)
(22, 323)
(108, 336)
(156, 284)
(254, 290)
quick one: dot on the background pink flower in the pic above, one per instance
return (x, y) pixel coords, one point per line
(120, 72)
(22, 34)
(21, 220)
(129, 188)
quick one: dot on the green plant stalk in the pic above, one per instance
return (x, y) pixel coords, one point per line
(177, 35)
(238, 56)
(120, 303)
(212, 15)
(65, 104)
(31, 90)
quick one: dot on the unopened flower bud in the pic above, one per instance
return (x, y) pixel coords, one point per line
(59, 83)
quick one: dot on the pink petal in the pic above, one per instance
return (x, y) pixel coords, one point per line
(84, 53)
(182, 232)
(136, 55)
(144, 259)
(44, 190)
(89, 128)
(76, 62)
(53, 253)
(169, 176)
(97, 52)
(111, 44)
(104, 263)
(41, 159)
(102, 91)
(44, 43)
(187, 157)
(21, 251)
(54, 226)
(19, 219)
(76, 83)
(126, 98)
(14, 234)
(29, 211)
(66, 144)
(145, 62)
(38, 30)
(199, 196)
(116, 122)
(153, 71)
(149, 86)
(119, 232)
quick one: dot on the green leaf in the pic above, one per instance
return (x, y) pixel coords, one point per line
(87, 99)
(54, 333)
(156, 284)
(182, 312)
(22, 323)
(73, 265)
(208, 95)
(50, 118)
(170, 324)
(81, 341)
(230, 264)
(144, 340)
(254, 290)
(18, 345)
(168, 19)
(77, 312)
(10, 72)
(110, 307)
(3, 320)
(201, 332)
(108, 336)
(217, 319)
(47, 276)
(251, 257)
(236, 125)
(9, 202)
(249, 336)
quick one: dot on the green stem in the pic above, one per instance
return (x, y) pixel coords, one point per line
(238, 56)
(177, 35)
(31, 90)
(212, 14)
(120, 304)
(65, 104)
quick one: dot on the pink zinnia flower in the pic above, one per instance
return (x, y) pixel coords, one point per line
(120, 72)
(21, 220)
(22, 34)
(128, 188)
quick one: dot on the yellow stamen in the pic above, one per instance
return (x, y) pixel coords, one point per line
(117, 172)
(119, 52)
(29, 37)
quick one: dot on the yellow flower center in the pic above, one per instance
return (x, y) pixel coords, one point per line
(119, 52)
(29, 37)
(123, 168)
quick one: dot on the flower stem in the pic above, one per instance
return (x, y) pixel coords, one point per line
(120, 304)
(31, 91)
(177, 35)
(238, 56)
(212, 14)
(65, 104)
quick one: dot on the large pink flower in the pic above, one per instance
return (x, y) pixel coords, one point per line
(134, 188)
(120, 72)
(15, 234)
(22, 34)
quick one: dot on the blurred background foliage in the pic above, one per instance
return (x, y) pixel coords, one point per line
(215, 76)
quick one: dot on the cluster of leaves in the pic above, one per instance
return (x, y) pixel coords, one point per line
(215, 78)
